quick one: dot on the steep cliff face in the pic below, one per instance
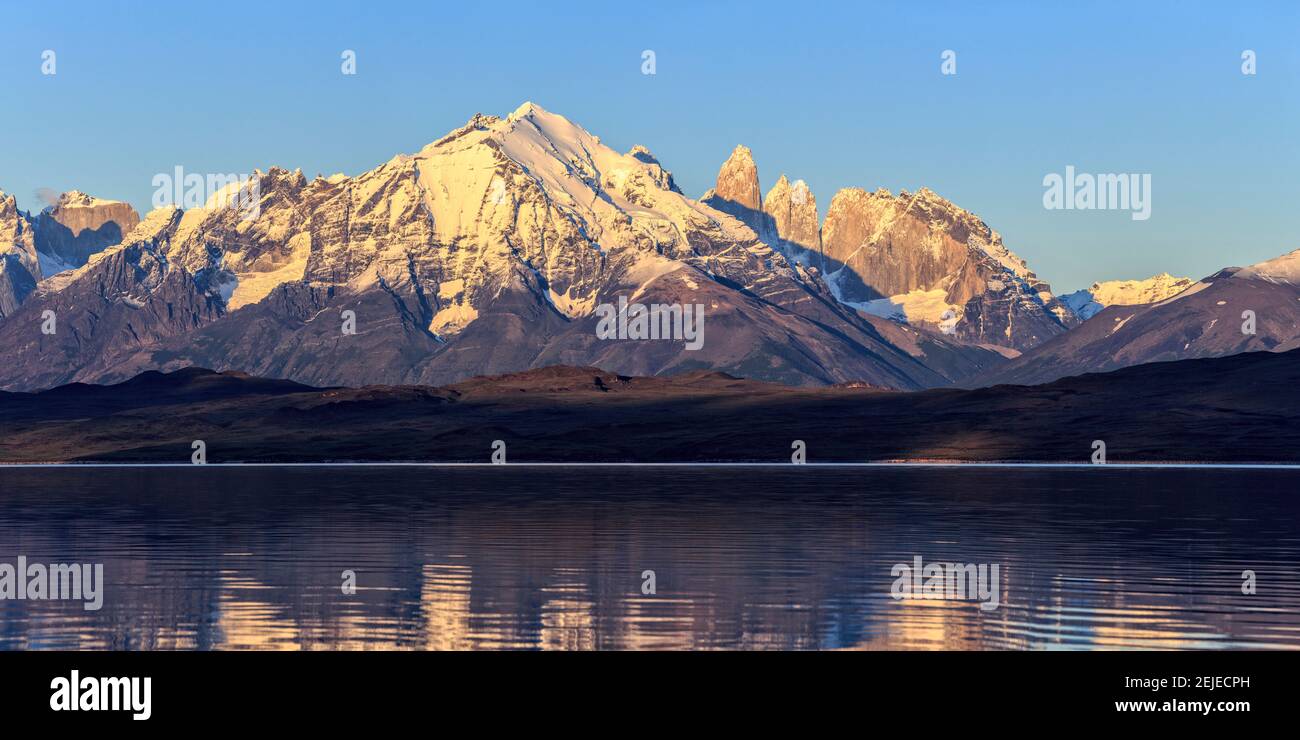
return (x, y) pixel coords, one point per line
(16, 283)
(898, 244)
(920, 258)
(79, 225)
(786, 218)
(16, 235)
(793, 212)
(737, 190)
(19, 264)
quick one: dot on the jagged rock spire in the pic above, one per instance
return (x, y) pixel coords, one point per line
(793, 211)
(738, 179)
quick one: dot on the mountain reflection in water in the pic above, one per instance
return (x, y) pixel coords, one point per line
(552, 558)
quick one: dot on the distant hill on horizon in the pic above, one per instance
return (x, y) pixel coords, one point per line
(1239, 409)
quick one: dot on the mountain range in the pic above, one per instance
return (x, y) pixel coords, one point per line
(490, 250)
(1235, 310)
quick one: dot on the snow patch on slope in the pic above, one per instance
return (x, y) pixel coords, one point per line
(649, 268)
(452, 319)
(51, 265)
(929, 306)
(252, 284)
(570, 305)
(1120, 322)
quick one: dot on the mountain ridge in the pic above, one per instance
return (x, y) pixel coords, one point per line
(1087, 302)
(1209, 318)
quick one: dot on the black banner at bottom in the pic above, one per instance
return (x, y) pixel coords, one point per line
(244, 690)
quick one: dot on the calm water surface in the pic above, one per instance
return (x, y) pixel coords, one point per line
(447, 558)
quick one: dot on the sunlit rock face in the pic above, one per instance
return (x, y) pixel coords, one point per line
(785, 219)
(736, 193)
(793, 212)
(61, 238)
(19, 263)
(924, 259)
(911, 258)
(79, 225)
(737, 183)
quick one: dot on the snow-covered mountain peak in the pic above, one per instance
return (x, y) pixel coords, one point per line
(152, 225)
(8, 205)
(643, 153)
(526, 109)
(532, 200)
(477, 122)
(1087, 303)
(78, 199)
(477, 176)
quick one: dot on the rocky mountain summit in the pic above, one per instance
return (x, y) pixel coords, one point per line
(61, 237)
(77, 226)
(915, 258)
(19, 263)
(1088, 302)
(792, 208)
(737, 191)
(920, 258)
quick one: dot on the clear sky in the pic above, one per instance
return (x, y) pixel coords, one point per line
(837, 93)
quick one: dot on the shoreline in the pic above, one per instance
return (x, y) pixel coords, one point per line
(1172, 465)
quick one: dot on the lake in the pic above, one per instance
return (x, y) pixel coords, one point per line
(741, 558)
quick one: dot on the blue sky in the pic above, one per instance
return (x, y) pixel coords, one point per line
(839, 94)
